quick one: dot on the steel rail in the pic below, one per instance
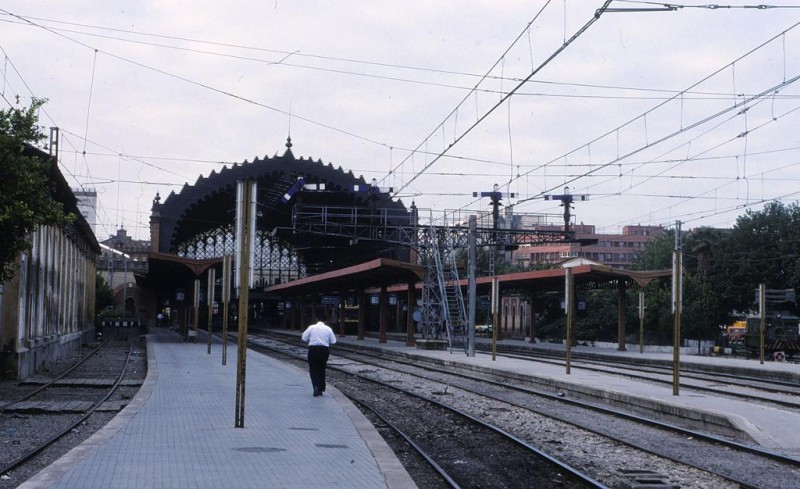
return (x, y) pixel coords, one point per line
(655, 423)
(421, 451)
(35, 451)
(56, 379)
(566, 468)
(660, 370)
(575, 473)
(631, 417)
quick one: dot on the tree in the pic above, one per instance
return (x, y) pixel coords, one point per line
(705, 304)
(501, 265)
(26, 189)
(598, 320)
(104, 296)
(723, 268)
(763, 249)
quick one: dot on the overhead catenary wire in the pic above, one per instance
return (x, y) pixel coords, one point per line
(200, 84)
(680, 161)
(482, 161)
(522, 164)
(683, 92)
(735, 180)
(665, 138)
(709, 6)
(755, 97)
(89, 105)
(683, 129)
(502, 99)
(44, 110)
(726, 182)
(286, 54)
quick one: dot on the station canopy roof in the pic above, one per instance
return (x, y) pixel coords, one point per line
(396, 274)
(371, 274)
(587, 274)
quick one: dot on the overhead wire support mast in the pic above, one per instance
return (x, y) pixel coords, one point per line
(495, 196)
(566, 202)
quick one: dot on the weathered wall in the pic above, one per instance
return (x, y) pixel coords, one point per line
(47, 309)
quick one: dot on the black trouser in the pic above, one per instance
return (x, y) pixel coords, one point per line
(317, 361)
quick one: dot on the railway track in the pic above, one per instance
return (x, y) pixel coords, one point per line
(768, 392)
(454, 449)
(424, 470)
(627, 444)
(51, 414)
(458, 448)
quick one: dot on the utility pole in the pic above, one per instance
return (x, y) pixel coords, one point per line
(226, 299)
(210, 302)
(677, 305)
(245, 233)
(195, 309)
(54, 142)
(125, 291)
(641, 321)
(471, 285)
(495, 197)
(569, 310)
(762, 314)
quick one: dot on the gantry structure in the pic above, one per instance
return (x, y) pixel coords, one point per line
(439, 245)
(312, 218)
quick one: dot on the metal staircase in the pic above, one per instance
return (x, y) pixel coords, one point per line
(444, 312)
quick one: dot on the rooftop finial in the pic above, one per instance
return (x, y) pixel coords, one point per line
(288, 153)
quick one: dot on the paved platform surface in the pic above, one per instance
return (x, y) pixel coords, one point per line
(178, 432)
(772, 428)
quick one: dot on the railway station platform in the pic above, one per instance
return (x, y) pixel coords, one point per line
(749, 422)
(178, 431)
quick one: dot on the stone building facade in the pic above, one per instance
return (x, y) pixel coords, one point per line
(122, 260)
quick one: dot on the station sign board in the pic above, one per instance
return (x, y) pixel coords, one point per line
(330, 300)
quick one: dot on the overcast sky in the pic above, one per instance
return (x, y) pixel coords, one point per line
(687, 115)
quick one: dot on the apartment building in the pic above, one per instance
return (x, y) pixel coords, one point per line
(615, 250)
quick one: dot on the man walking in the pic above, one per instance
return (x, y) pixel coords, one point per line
(319, 337)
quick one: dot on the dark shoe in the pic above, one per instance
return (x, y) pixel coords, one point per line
(317, 393)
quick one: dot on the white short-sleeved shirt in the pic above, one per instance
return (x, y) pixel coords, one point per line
(319, 334)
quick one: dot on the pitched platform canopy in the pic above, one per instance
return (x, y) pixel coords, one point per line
(374, 273)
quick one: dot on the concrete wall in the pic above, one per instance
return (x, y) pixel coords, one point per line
(45, 351)
(48, 308)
